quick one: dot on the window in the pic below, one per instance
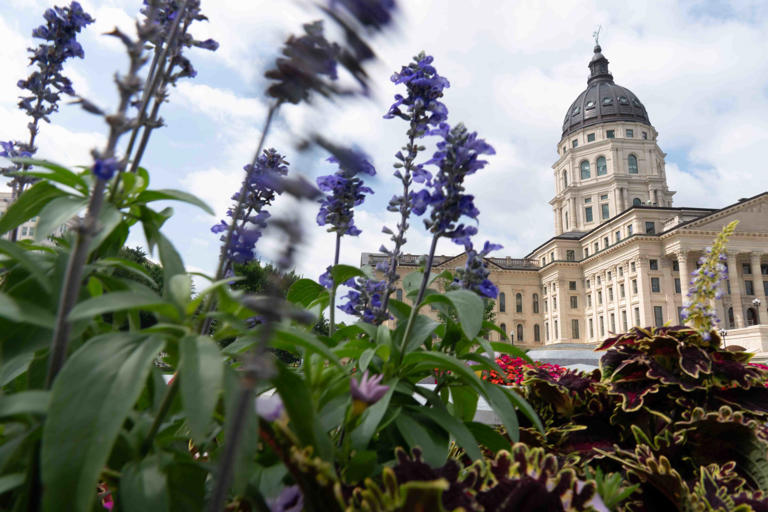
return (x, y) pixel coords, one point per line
(588, 214)
(602, 168)
(728, 285)
(678, 288)
(589, 300)
(570, 255)
(556, 333)
(591, 329)
(604, 211)
(576, 110)
(680, 316)
(629, 230)
(746, 268)
(604, 197)
(631, 266)
(618, 236)
(610, 294)
(605, 242)
(502, 302)
(399, 294)
(599, 297)
(575, 329)
(554, 303)
(751, 317)
(545, 306)
(571, 285)
(24, 231)
(613, 322)
(637, 202)
(598, 281)
(597, 247)
(588, 284)
(546, 330)
(536, 333)
(519, 332)
(535, 302)
(519, 302)
(749, 288)
(658, 316)
(632, 161)
(654, 264)
(607, 101)
(645, 135)
(621, 271)
(584, 166)
(764, 269)
(590, 136)
(624, 320)
(565, 180)
(622, 293)
(630, 133)
(552, 256)
(637, 316)
(675, 266)
(609, 275)
(655, 285)
(623, 100)
(574, 302)
(574, 143)
(566, 220)
(31, 231)
(650, 228)
(731, 320)
(602, 326)
(611, 134)
(587, 200)
(765, 287)
(503, 327)
(634, 287)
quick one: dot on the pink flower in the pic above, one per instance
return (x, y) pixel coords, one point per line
(368, 390)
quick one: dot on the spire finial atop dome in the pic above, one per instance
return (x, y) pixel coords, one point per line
(598, 66)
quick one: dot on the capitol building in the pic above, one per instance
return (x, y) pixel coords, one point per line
(622, 253)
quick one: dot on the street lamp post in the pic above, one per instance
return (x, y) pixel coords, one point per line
(723, 333)
(756, 302)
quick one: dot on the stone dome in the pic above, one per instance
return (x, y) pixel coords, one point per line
(603, 101)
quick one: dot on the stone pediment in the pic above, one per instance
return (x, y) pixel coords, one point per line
(752, 215)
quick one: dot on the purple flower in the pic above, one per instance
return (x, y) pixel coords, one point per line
(365, 299)
(457, 157)
(373, 14)
(262, 184)
(325, 279)
(474, 275)
(343, 191)
(269, 407)
(105, 169)
(289, 500)
(368, 390)
(425, 87)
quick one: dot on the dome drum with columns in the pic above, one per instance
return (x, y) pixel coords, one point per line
(621, 254)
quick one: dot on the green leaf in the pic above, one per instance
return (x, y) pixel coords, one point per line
(399, 309)
(371, 418)
(303, 292)
(170, 258)
(423, 327)
(488, 436)
(119, 301)
(10, 482)
(143, 487)
(109, 219)
(412, 281)
(58, 174)
(502, 406)
(469, 309)
(291, 337)
(507, 348)
(25, 402)
(20, 311)
(90, 399)
(365, 359)
(434, 449)
(56, 213)
(464, 402)
(27, 260)
(361, 465)
(455, 428)
(180, 290)
(524, 407)
(201, 370)
(298, 404)
(28, 205)
(173, 195)
(343, 273)
(446, 362)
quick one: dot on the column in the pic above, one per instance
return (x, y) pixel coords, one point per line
(685, 277)
(624, 199)
(595, 325)
(558, 224)
(628, 296)
(668, 289)
(574, 222)
(757, 281)
(736, 289)
(644, 292)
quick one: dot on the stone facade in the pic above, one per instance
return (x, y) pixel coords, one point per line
(622, 254)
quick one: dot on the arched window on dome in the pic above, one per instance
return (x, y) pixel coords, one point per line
(565, 179)
(536, 333)
(502, 302)
(632, 160)
(602, 167)
(535, 302)
(585, 174)
(636, 202)
(519, 332)
(519, 303)
(503, 327)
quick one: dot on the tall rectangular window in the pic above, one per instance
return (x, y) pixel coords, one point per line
(589, 300)
(632, 266)
(655, 285)
(575, 143)
(609, 275)
(597, 247)
(574, 302)
(678, 288)
(624, 320)
(630, 133)
(764, 269)
(611, 134)
(680, 315)
(645, 135)
(629, 230)
(653, 264)
(637, 316)
(618, 236)
(658, 316)
(634, 287)
(602, 327)
(605, 242)
(675, 266)
(587, 283)
(588, 214)
(599, 298)
(556, 334)
(749, 288)
(575, 328)
(765, 287)
(604, 211)
(571, 285)
(610, 294)
(621, 271)
(591, 329)
(546, 330)
(650, 228)
(621, 291)
(570, 255)
(746, 268)
(613, 322)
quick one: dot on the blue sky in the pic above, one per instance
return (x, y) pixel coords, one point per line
(514, 68)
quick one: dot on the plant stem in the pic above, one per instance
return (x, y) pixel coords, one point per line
(332, 312)
(420, 296)
(165, 405)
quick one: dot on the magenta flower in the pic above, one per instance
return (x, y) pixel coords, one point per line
(269, 407)
(368, 390)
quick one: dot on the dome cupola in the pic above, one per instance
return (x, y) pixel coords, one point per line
(602, 101)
